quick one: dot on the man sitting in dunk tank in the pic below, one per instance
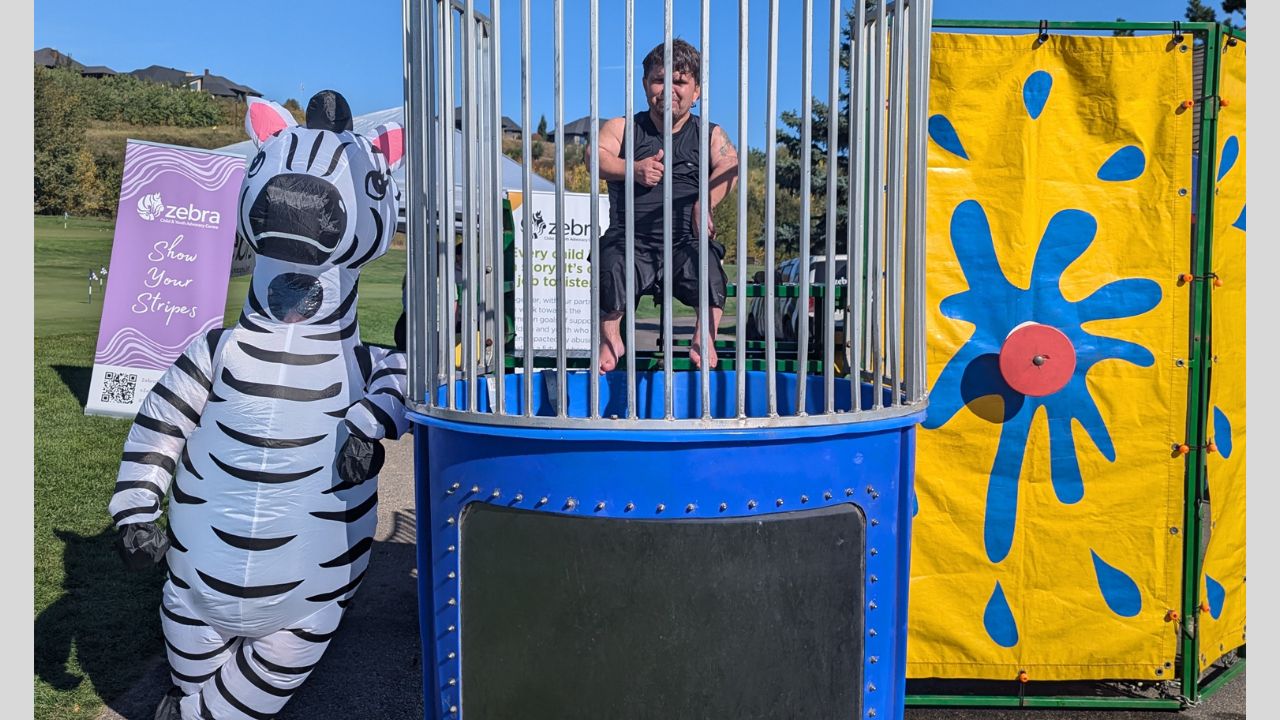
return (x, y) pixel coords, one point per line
(650, 185)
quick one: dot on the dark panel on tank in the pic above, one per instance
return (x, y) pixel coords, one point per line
(585, 617)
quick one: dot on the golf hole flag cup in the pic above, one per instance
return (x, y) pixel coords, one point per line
(170, 260)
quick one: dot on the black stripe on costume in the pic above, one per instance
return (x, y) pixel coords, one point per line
(342, 412)
(193, 679)
(183, 497)
(186, 463)
(249, 325)
(342, 334)
(364, 358)
(377, 240)
(199, 656)
(293, 146)
(388, 424)
(159, 426)
(178, 403)
(235, 702)
(214, 397)
(341, 311)
(337, 155)
(279, 392)
(345, 603)
(153, 507)
(351, 250)
(315, 149)
(204, 709)
(351, 555)
(248, 543)
(252, 676)
(326, 597)
(344, 485)
(256, 305)
(388, 371)
(264, 442)
(312, 637)
(173, 540)
(177, 581)
(284, 358)
(282, 669)
(351, 515)
(140, 485)
(159, 460)
(183, 620)
(247, 591)
(393, 392)
(185, 364)
(262, 476)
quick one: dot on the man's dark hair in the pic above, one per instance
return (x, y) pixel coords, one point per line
(684, 59)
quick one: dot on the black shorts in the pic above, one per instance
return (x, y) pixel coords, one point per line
(648, 269)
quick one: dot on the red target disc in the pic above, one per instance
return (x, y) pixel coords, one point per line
(1037, 360)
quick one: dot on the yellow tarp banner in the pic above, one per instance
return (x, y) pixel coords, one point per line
(1222, 590)
(1047, 536)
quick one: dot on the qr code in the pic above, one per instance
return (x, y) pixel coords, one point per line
(118, 387)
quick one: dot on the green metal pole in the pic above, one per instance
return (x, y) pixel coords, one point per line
(1101, 703)
(1195, 497)
(1224, 677)
(1163, 27)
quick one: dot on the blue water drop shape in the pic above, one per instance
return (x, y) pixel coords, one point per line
(1126, 163)
(1118, 589)
(1035, 92)
(1222, 432)
(998, 619)
(944, 133)
(1217, 594)
(915, 505)
(1239, 223)
(1230, 151)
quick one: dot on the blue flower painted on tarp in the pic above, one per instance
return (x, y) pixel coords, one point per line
(1231, 153)
(1118, 589)
(995, 307)
(998, 619)
(944, 133)
(1222, 432)
(1035, 92)
(1127, 163)
(1217, 596)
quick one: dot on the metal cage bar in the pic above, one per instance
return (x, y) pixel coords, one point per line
(458, 276)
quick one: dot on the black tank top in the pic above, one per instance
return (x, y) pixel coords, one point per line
(684, 188)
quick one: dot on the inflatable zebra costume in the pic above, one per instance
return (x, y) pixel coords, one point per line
(266, 435)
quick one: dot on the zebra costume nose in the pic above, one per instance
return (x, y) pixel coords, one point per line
(298, 218)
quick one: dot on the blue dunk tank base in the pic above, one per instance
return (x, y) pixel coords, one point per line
(647, 573)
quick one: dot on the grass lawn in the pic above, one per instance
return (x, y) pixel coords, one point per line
(96, 624)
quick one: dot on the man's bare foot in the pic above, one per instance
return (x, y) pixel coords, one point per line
(611, 347)
(695, 354)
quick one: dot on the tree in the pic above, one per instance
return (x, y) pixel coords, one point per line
(1197, 12)
(64, 177)
(295, 109)
(542, 127)
(1231, 7)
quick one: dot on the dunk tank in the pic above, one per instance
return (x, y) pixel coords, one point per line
(665, 539)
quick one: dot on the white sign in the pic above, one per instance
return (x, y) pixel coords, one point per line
(540, 211)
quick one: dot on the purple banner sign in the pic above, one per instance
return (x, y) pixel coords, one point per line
(167, 282)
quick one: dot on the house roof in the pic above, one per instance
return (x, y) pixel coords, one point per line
(508, 125)
(581, 126)
(163, 75)
(48, 57)
(97, 70)
(222, 87)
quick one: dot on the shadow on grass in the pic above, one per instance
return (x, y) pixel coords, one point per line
(76, 378)
(108, 618)
(378, 643)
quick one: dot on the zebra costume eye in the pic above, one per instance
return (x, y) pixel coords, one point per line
(256, 165)
(375, 184)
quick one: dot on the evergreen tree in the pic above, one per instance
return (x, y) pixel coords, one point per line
(542, 127)
(1197, 12)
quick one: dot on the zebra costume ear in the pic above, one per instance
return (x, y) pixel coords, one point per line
(263, 118)
(389, 140)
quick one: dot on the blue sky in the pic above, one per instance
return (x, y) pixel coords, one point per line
(289, 50)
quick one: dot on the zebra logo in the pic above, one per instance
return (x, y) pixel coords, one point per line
(150, 206)
(539, 226)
